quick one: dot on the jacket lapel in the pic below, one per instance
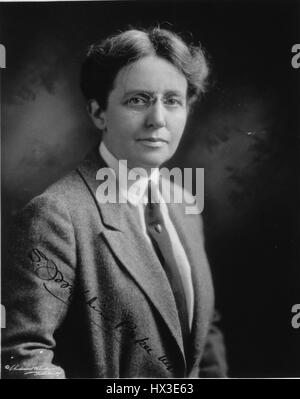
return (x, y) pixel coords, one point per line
(124, 237)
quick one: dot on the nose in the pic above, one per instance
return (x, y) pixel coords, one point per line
(156, 117)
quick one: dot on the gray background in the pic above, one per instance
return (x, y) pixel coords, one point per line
(245, 133)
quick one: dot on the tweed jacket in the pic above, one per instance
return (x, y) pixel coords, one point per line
(86, 296)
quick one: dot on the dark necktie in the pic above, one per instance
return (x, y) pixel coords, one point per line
(162, 244)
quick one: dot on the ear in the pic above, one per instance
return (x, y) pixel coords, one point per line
(96, 114)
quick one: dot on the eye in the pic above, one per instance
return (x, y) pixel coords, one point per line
(137, 100)
(173, 101)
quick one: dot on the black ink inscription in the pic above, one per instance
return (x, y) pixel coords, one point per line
(143, 344)
(47, 270)
(166, 362)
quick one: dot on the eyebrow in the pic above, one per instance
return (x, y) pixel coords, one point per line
(152, 93)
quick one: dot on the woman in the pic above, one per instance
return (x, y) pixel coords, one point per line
(117, 289)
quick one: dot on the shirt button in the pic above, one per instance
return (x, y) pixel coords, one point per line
(158, 228)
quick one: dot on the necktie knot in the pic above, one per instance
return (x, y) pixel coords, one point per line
(153, 215)
(152, 194)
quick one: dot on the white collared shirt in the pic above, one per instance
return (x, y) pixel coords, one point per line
(135, 194)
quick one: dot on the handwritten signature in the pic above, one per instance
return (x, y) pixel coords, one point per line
(47, 270)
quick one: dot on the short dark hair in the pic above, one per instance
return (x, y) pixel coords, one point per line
(106, 58)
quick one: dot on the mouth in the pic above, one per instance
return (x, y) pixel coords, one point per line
(152, 141)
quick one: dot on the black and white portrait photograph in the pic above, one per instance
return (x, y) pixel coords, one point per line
(150, 208)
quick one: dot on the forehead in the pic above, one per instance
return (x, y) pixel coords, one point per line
(151, 74)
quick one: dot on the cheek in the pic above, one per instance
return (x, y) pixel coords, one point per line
(113, 121)
(177, 124)
(125, 123)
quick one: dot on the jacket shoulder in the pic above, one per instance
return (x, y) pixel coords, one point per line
(73, 187)
(67, 186)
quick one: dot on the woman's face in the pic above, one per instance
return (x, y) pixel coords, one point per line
(146, 112)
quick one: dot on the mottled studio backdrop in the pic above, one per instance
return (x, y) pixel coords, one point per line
(245, 133)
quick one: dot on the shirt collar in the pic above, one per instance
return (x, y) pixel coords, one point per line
(133, 190)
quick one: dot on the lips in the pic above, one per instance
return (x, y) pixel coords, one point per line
(152, 142)
(153, 139)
